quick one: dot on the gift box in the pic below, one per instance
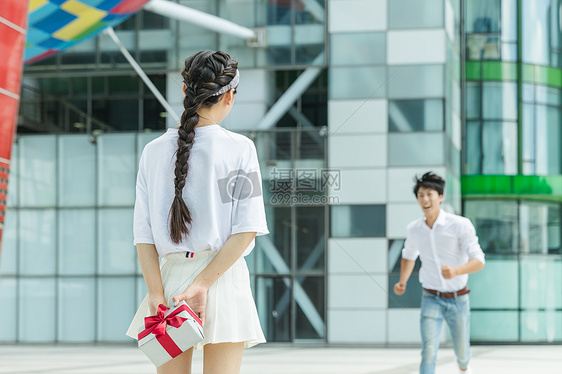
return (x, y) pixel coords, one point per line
(169, 333)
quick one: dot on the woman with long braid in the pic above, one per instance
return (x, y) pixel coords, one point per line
(199, 206)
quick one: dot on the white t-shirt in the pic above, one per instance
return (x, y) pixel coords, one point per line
(223, 191)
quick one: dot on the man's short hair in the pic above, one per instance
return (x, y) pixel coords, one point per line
(429, 180)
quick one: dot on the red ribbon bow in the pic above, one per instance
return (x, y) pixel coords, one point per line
(157, 325)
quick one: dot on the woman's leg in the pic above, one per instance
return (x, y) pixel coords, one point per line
(222, 358)
(179, 365)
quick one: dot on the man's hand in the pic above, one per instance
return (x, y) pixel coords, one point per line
(400, 288)
(196, 297)
(448, 272)
(154, 301)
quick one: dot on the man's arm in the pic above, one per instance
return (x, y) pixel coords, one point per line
(406, 268)
(470, 267)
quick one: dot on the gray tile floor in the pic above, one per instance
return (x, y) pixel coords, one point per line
(274, 359)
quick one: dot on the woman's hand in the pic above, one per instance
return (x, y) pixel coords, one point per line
(154, 301)
(196, 297)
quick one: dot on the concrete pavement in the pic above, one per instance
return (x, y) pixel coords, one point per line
(275, 359)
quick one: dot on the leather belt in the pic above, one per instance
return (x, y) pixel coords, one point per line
(448, 295)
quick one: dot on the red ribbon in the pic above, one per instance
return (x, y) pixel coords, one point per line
(157, 325)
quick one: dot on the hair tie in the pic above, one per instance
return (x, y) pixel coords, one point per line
(232, 84)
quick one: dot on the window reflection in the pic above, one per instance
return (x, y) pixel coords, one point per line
(541, 32)
(516, 227)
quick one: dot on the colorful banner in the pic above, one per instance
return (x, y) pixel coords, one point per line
(13, 24)
(55, 25)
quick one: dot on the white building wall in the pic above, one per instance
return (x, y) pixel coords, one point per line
(378, 163)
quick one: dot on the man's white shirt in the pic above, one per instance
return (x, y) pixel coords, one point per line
(452, 241)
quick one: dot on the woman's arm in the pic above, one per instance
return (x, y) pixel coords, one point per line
(196, 294)
(148, 260)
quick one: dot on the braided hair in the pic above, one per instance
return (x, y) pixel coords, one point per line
(204, 74)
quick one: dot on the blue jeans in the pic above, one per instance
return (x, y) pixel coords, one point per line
(456, 312)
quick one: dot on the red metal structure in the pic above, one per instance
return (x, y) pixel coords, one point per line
(13, 25)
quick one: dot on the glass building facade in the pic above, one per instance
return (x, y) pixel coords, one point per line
(401, 87)
(512, 165)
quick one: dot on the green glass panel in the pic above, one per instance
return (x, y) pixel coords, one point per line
(532, 184)
(473, 71)
(548, 76)
(548, 188)
(486, 184)
(528, 72)
(496, 70)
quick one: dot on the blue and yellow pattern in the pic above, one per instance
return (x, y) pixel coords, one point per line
(55, 25)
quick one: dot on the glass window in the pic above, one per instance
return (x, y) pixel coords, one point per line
(528, 92)
(8, 300)
(153, 21)
(76, 307)
(359, 82)
(416, 149)
(415, 81)
(509, 52)
(415, 115)
(483, 16)
(111, 292)
(541, 325)
(499, 148)
(496, 225)
(77, 171)
(499, 100)
(473, 100)
(154, 115)
(55, 86)
(358, 221)
(499, 270)
(351, 48)
(473, 148)
(548, 140)
(37, 241)
(36, 317)
(413, 294)
(77, 254)
(539, 225)
(142, 290)
(116, 252)
(9, 249)
(548, 95)
(453, 158)
(483, 47)
(310, 238)
(125, 85)
(13, 179)
(79, 86)
(541, 32)
(37, 170)
(509, 20)
(311, 305)
(123, 115)
(116, 169)
(541, 277)
(528, 139)
(407, 14)
(273, 254)
(273, 300)
(499, 326)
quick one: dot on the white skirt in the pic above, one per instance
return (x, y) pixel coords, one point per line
(230, 316)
